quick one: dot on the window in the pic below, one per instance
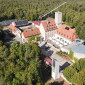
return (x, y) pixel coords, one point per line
(67, 36)
(62, 40)
(54, 63)
(65, 42)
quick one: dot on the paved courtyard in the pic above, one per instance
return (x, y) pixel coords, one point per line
(51, 52)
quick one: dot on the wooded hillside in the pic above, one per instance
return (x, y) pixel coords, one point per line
(73, 11)
(76, 73)
(19, 64)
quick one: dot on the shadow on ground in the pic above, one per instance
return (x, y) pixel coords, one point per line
(49, 53)
(66, 64)
(57, 83)
(47, 50)
(46, 72)
(8, 37)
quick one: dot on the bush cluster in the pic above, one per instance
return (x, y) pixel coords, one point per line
(62, 53)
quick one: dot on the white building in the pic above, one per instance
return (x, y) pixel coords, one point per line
(48, 28)
(55, 69)
(23, 29)
(15, 30)
(51, 30)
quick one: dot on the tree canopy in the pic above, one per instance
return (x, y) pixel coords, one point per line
(19, 64)
(76, 73)
(73, 11)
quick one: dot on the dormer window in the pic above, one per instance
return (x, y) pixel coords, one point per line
(67, 28)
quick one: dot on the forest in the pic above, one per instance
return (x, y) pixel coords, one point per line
(73, 11)
(19, 64)
(76, 73)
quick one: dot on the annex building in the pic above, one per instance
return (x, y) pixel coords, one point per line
(23, 29)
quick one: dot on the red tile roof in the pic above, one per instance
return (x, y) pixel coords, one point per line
(37, 22)
(32, 32)
(49, 24)
(13, 28)
(47, 59)
(67, 32)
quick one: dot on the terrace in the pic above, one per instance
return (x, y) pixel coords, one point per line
(59, 41)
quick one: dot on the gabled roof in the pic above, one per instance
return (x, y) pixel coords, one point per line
(67, 32)
(32, 32)
(37, 22)
(49, 24)
(13, 28)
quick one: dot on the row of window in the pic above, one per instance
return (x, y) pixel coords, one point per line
(69, 37)
(50, 25)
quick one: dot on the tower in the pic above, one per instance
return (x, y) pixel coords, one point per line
(55, 69)
(58, 18)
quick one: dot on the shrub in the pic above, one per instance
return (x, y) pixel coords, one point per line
(71, 54)
(36, 38)
(75, 59)
(31, 38)
(61, 53)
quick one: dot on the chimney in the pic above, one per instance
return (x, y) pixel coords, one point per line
(13, 23)
(58, 18)
(48, 21)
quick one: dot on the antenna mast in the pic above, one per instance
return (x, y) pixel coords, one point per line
(51, 11)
